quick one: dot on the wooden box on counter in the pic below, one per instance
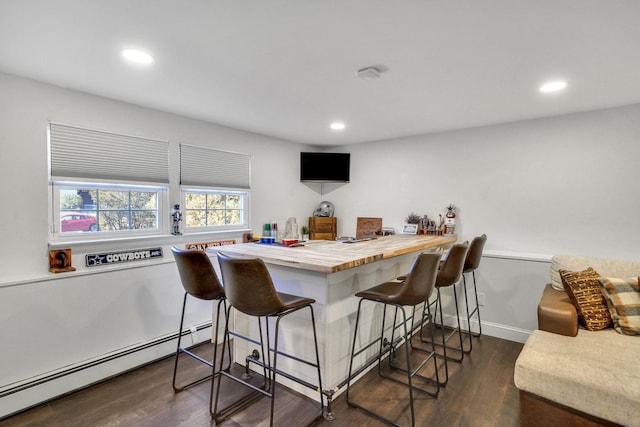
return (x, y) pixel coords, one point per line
(323, 227)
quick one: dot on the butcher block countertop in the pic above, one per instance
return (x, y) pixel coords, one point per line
(332, 256)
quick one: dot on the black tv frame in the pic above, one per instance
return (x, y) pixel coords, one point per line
(324, 167)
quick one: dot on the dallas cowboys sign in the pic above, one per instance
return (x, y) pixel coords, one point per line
(110, 258)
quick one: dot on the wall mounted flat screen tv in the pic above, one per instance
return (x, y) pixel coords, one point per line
(324, 167)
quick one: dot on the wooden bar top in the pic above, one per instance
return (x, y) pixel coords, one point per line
(327, 256)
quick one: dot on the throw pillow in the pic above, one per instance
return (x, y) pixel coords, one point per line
(623, 299)
(584, 290)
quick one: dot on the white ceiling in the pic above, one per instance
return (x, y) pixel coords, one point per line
(286, 68)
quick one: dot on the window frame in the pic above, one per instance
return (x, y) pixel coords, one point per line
(245, 201)
(56, 235)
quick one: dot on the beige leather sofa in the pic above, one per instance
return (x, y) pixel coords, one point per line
(569, 376)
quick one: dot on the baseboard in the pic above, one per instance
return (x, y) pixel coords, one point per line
(505, 332)
(491, 329)
(35, 391)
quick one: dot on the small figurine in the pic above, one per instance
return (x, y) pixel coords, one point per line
(176, 217)
(424, 222)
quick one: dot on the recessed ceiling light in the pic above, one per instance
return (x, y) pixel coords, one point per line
(337, 126)
(137, 56)
(553, 86)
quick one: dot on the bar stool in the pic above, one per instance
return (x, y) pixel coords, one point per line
(449, 275)
(199, 280)
(250, 290)
(416, 289)
(471, 264)
(437, 249)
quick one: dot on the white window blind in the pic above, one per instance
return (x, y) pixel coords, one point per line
(90, 154)
(206, 167)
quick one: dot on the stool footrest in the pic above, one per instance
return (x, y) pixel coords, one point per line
(415, 387)
(286, 374)
(272, 350)
(448, 347)
(195, 356)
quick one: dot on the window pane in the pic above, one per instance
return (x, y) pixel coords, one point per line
(195, 218)
(70, 199)
(70, 222)
(215, 217)
(77, 211)
(195, 201)
(144, 200)
(114, 220)
(78, 199)
(233, 202)
(215, 201)
(215, 209)
(233, 216)
(86, 209)
(143, 220)
(112, 199)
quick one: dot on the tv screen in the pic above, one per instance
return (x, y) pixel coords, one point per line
(324, 167)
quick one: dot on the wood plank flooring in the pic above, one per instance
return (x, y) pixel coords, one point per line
(480, 393)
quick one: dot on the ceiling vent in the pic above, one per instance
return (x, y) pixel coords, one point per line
(368, 73)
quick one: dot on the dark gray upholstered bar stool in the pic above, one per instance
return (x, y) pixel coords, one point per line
(471, 264)
(250, 290)
(448, 276)
(199, 279)
(415, 290)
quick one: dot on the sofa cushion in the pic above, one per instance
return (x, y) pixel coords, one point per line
(623, 299)
(606, 267)
(584, 290)
(594, 372)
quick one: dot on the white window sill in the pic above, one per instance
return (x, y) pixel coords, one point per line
(133, 242)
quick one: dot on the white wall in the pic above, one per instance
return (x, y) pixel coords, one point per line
(27, 107)
(52, 321)
(564, 184)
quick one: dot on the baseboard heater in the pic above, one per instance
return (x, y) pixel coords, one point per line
(89, 364)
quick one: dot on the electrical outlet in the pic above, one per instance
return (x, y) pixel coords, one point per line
(481, 299)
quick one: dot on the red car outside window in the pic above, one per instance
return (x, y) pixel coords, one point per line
(78, 222)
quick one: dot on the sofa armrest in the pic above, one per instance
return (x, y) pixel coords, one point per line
(556, 313)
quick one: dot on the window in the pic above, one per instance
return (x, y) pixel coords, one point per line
(107, 184)
(215, 188)
(215, 209)
(87, 208)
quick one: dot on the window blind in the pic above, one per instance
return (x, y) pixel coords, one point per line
(82, 153)
(214, 168)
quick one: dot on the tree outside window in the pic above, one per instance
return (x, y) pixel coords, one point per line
(214, 209)
(89, 209)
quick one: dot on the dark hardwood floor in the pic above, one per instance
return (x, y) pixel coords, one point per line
(480, 393)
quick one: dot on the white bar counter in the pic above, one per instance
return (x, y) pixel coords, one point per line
(330, 272)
